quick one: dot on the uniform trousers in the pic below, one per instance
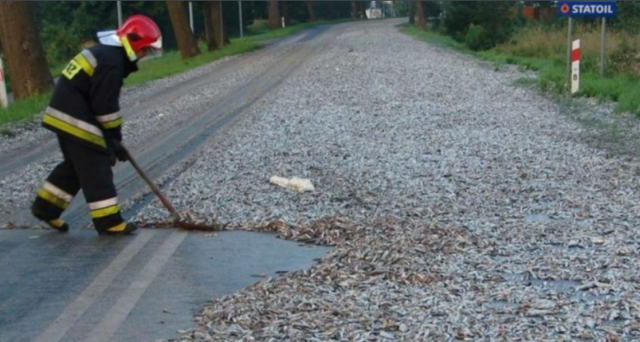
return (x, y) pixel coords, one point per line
(82, 168)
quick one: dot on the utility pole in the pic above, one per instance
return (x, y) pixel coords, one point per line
(603, 43)
(240, 11)
(191, 15)
(119, 13)
(569, 49)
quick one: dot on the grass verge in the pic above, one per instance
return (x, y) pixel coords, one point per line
(23, 109)
(544, 52)
(169, 64)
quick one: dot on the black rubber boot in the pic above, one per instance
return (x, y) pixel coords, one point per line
(56, 224)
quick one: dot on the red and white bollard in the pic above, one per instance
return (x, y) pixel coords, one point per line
(575, 66)
(3, 88)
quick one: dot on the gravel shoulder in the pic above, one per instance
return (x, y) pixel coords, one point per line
(461, 205)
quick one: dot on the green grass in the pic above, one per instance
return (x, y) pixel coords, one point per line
(169, 64)
(551, 70)
(434, 38)
(23, 109)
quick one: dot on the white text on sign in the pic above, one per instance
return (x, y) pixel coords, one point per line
(592, 9)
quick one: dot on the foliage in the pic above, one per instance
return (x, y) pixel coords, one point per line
(402, 8)
(22, 109)
(628, 17)
(330, 10)
(540, 41)
(477, 38)
(432, 9)
(66, 26)
(483, 24)
(626, 58)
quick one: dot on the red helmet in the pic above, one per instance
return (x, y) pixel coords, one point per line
(138, 33)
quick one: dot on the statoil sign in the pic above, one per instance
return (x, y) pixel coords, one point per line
(587, 9)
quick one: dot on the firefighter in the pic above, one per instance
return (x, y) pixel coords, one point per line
(84, 113)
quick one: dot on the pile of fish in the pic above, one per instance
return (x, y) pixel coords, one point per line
(461, 205)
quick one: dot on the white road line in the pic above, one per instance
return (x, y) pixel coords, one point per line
(56, 331)
(119, 312)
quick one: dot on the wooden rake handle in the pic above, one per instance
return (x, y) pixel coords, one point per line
(152, 185)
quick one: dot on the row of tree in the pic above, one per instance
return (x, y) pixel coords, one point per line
(35, 35)
(484, 24)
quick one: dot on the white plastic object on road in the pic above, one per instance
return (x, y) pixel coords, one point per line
(295, 183)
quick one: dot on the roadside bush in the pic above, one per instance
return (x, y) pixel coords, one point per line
(476, 38)
(480, 24)
(625, 59)
(628, 16)
(402, 8)
(61, 42)
(622, 48)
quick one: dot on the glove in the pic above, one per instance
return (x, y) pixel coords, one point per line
(118, 150)
(112, 159)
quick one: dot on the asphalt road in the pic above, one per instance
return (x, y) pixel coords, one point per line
(82, 287)
(78, 287)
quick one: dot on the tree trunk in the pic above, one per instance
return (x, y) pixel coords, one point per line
(187, 43)
(422, 23)
(354, 10)
(207, 11)
(219, 33)
(312, 13)
(362, 9)
(22, 47)
(284, 5)
(274, 15)
(412, 14)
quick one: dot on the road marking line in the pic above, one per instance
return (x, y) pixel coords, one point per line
(56, 331)
(125, 304)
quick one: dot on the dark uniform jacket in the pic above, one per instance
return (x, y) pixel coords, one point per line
(85, 104)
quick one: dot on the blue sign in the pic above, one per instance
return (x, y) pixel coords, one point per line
(586, 9)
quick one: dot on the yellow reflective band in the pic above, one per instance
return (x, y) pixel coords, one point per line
(128, 49)
(58, 223)
(100, 213)
(109, 117)
(73, 130)
(84, 64)
(90, 58)
(113, 124)
(85, 60)
(121, 227)
(85, 126)
(45, 195)
(59, 193)
(103, 204)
